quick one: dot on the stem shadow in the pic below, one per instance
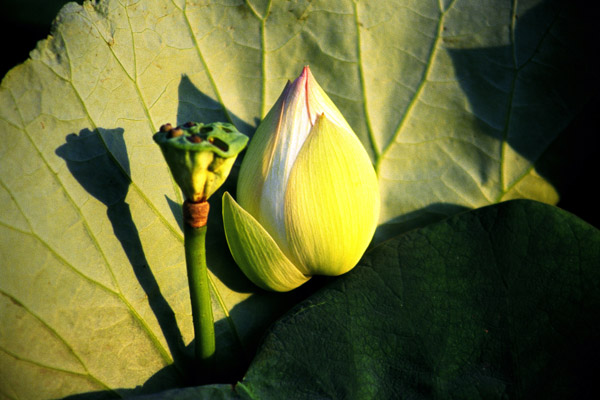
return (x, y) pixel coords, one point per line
(98, 160)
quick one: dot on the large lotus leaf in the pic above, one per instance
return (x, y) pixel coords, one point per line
(454, 100)
(496, 303)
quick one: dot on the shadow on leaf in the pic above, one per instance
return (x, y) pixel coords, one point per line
(526, 93)
(99, 162)
(416, 219)
(197, 106)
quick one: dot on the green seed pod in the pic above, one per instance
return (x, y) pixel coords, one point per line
(199, 155)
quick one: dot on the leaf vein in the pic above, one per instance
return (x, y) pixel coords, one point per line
(86, 375)
(467, 173)
(424, 79)
(363, 85)
(47, 326)
(61, 259)
(205, 66)
(143, 105)
(511, 94)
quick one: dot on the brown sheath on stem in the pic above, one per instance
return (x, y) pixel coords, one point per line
(195, 214)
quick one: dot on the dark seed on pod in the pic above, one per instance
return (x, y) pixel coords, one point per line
(175, 132)
(194, 139)
(166, 127)
(189, 124)
(218, 143)
(227, 130)
(206, 129)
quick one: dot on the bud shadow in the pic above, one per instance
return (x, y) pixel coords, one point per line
(198, 107)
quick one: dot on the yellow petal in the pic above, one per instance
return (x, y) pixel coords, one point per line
(331, 202)
(255, 251)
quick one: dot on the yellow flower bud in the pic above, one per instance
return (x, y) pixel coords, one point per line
(308, 194)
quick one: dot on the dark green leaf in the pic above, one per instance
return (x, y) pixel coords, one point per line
(501, 302)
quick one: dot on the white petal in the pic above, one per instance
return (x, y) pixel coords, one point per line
(293, 129)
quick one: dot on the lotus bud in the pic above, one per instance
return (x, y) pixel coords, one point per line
(307, 192)
(200, 156)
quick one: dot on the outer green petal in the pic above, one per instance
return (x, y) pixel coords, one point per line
(256, 253)
(332, 201)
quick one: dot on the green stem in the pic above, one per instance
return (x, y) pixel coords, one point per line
(204, 330)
